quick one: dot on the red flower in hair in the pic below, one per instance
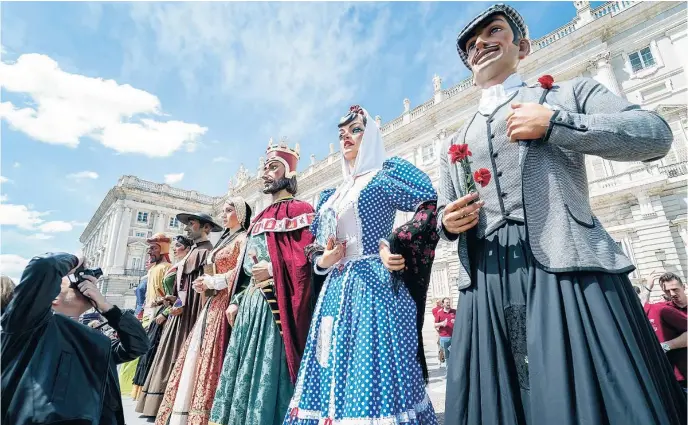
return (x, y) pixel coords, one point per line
(356, 109)
(482, 176)
(459, 152)
(546, 82)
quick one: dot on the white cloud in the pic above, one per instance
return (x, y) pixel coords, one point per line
(221, 159)
(55, 226)
(173, 178)
(306, 58)
(26, 218)
(83, 175)
(65, 107)
(12, 265)
(3, 198)
(4, 179)
(41, 236)
(16, 165)
(20, 216)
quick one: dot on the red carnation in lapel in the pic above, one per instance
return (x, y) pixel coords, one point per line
(546, 82)
(459, 153)
(482, 176)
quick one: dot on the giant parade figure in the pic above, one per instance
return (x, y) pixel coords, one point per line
(548, 329)
(270, 306)
(185, 310)
(153, 305)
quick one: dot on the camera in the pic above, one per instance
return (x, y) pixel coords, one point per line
(79, 274)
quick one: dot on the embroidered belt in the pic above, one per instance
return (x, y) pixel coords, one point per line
(267, 288)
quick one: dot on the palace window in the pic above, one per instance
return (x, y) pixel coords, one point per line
(641, 59)
(140, 234)
(135, 263)
(174, 223)
(142, 217)
(428, 153)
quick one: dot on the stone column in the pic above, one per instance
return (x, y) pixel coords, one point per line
(160, 224)
(122, 239)
(115, 222)
(603, 72)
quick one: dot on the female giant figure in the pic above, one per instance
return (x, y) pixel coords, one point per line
(360, 364)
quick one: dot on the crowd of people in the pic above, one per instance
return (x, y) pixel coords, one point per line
(309, 315)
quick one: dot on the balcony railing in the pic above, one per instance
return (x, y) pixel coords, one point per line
(135, 272)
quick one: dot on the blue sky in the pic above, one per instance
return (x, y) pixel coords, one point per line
(94, 91)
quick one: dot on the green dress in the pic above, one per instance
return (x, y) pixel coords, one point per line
(254, 387)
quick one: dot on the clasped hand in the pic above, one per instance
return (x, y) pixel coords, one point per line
(199, 284)
(334, 252)
(527, 121)
(261, 271)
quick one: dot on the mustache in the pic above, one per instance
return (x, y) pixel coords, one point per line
(488, 48)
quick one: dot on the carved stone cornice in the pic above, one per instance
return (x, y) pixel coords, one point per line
(600, 60)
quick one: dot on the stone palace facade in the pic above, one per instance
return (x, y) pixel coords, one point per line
(633, 48)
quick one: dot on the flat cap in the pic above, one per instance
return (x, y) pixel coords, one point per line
(467, 31)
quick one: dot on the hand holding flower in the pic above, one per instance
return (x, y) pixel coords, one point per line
(459, 216)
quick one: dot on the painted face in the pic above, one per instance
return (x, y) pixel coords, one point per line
(229, 216)
(491, 50)
(154, 252)
(180, 250)
(194, 230)
(350, 138)
(273, 177)
(676, 292)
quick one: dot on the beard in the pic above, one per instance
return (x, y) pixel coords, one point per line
(276, 186)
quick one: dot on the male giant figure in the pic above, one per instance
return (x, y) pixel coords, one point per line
(270, 310)
(549, 329)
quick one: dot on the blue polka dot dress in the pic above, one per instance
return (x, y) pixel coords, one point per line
(360, 365)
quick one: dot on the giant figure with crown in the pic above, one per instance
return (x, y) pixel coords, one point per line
(270, 306)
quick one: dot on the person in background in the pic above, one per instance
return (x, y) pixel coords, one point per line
(55, 369)
(444, 323)
(669, 321)
(435, 309)
(6, 292)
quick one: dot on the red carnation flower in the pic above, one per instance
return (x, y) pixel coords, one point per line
(482, 176)
(459, 152)
(546, 81)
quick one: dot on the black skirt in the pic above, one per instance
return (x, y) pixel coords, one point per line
(146, 361)
(533, 348)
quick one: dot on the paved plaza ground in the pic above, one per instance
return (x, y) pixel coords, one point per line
(436, 387)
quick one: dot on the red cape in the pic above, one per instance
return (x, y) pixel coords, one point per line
(291, 274)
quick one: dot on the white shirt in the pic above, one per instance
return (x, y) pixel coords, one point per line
(493, 97)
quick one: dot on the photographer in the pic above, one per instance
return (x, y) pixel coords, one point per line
(55, 369)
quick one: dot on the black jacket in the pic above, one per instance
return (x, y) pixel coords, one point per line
(54, 369)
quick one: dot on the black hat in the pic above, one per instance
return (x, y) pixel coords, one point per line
(202, 217)
(466, 33)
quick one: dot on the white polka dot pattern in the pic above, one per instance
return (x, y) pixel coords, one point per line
(370, 374)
